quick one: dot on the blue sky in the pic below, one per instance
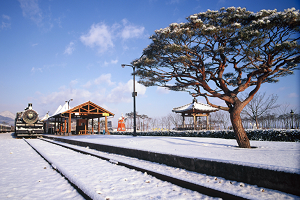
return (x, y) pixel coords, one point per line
(55, 50)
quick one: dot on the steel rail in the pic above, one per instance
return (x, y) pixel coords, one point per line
(182, 183)
(63, 173)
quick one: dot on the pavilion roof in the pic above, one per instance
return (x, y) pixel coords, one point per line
(85, 110)
(88, 110)
(195, 107)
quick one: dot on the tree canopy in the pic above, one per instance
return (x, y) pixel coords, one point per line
(222, 53)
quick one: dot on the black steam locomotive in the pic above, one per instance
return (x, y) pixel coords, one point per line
(27, 123)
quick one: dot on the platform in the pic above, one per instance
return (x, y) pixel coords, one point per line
(273, 165)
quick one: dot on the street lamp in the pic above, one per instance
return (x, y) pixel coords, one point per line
(69, 103)
(292, 115)
(134, 94)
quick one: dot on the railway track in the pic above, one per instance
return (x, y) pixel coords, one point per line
(146, 171)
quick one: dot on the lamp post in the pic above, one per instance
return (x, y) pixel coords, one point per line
(69, 120)
(69, 103)
(134, 94)
(292, 115)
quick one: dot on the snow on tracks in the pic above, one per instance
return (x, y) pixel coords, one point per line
(213, 183)
(25, 175)
(102, 179)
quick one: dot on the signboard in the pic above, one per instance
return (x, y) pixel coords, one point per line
(105, 114)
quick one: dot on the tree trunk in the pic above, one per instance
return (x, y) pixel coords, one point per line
(239, 131)
(256, 121)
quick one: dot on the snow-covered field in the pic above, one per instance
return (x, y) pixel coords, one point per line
(25, 175)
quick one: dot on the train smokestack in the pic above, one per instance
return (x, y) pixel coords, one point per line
(30, 106)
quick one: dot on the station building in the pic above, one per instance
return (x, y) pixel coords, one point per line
(76, 120)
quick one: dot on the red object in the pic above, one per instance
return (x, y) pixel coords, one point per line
(121, 124)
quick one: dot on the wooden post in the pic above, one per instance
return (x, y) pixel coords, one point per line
(69, 124)
(85, 126)
(207, 121)
(92, 126)
(98, 125)
(65, 126)
(54, 126)
(106, 128)
(194, 115)
(183, 123)
(60, 126)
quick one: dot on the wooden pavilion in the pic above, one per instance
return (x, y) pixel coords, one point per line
(82, 113)
(194, 110)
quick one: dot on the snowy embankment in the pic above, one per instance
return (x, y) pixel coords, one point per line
(280, 156)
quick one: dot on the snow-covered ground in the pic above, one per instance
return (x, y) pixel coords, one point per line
(284, 156)
(25, 175)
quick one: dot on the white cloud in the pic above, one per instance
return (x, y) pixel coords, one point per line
(105, 92)
(293, 95)
(162, 90)
(282, 88)
(70, 48)
(104, 78)
(123, 92)
(6, 17)
(5, 22)
(33, 69)
(30, 8)
(73, 82)
(113, 62)
(131, 31)
(100, 36)
(88, 84)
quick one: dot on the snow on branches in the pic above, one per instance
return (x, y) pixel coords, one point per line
(221, 54)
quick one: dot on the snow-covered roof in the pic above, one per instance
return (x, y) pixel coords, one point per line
(45, 117)
(195, 106)
(61, 109)
(57, 110)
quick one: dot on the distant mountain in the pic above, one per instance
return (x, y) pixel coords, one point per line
(8, 114)
(7, 117)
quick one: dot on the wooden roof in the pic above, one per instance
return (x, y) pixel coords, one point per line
(88, 110)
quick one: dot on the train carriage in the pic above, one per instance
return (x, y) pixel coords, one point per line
(27, 123)
(5, 128)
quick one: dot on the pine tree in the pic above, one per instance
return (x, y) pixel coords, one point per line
(221, 54)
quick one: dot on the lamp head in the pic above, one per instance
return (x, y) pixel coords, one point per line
(292, 112)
